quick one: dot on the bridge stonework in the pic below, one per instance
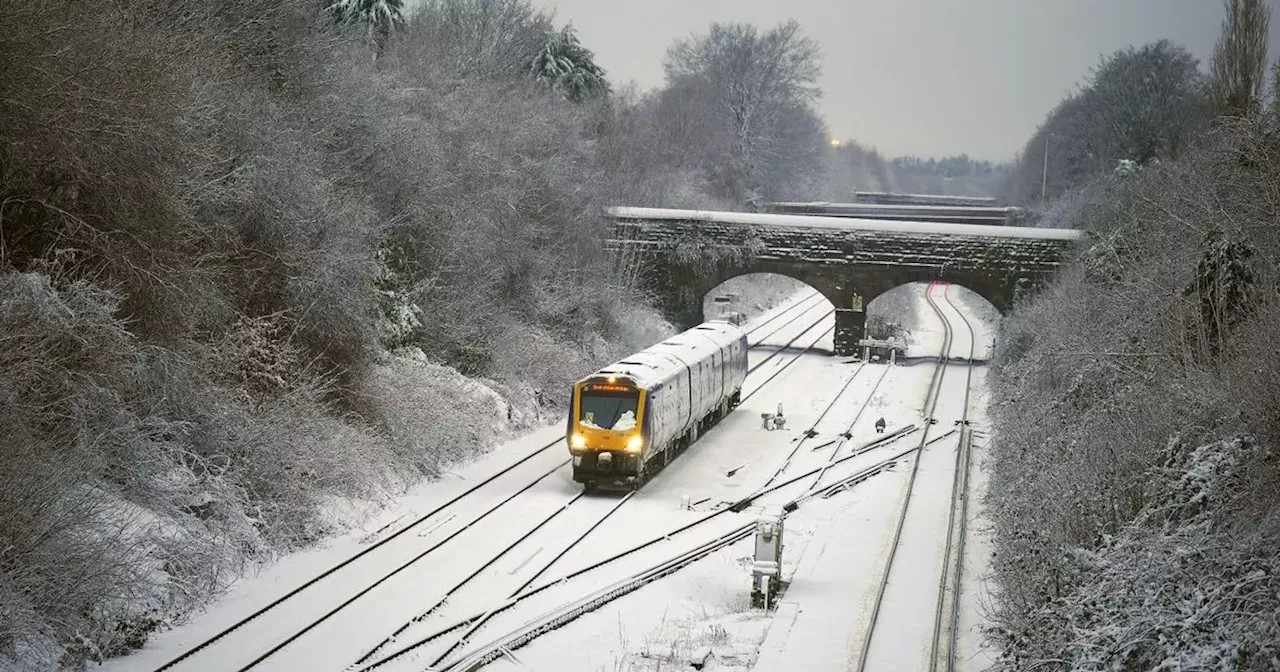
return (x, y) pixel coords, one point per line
(683, 255)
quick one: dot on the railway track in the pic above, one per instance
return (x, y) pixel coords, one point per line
(947, 613)
(372, 549)
(530, 628)
(364, 660)
(222, 646)
(802, 304)
(946, 606)
(842, 437)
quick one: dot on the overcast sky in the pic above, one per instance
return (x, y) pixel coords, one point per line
(924, 77)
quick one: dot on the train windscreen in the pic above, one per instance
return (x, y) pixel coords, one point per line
(608, 406)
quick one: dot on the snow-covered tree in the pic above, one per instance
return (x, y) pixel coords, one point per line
(568, 67)
(379, 16)
(1140, 104)
(750, 96)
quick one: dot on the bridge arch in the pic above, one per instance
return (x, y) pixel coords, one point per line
(904, 305)
(750, 292)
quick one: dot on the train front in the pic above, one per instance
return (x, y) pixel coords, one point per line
(606, 431)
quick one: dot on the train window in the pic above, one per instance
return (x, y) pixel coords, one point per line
(608, 409)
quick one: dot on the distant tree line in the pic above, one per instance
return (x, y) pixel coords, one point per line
(852, 167)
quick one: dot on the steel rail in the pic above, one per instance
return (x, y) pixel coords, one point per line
(847, 434)
(459, 585)
(931, 402)
(780, 349)
(323, 575)
(797, 304)
(955, 539)
(292, 638)
(479, 619)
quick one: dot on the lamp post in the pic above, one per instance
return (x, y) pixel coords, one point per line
(1044, 176)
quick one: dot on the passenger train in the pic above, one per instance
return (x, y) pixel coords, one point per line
(629, 419)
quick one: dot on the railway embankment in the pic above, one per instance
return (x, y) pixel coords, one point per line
(1136, 438)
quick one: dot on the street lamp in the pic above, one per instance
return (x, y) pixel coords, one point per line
(1044, 176)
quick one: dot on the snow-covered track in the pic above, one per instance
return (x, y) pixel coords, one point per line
(845, 436)
(386, 577)
(794, 358)
(780, 349)
(943, 648)
(930, 409)
(565, 613)
(841, 437)
(800, 306)
(476, 621)
(318, 579)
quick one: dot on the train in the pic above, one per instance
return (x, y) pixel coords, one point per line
(631, 418)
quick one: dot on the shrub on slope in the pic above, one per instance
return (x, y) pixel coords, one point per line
(1160, 334)
(214, 219)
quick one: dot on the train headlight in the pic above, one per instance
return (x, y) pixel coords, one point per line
(634, 444)
(578, 441)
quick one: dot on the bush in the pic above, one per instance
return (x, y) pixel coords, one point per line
(1118, 547)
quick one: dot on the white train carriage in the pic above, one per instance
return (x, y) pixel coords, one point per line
(629, 419)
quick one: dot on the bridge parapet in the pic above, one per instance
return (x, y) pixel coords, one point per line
(954, 214)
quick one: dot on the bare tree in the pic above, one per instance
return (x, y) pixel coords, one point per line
(1239, 58)
(748, 82)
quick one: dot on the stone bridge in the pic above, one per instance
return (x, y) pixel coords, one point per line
(683, 254)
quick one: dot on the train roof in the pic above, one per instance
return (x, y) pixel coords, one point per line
(665, 359)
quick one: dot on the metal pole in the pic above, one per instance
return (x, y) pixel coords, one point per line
(1044, 176)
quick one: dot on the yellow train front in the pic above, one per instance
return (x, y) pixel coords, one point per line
(606, 435)
(631, 418)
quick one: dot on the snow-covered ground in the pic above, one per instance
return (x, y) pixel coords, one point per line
(835, 547)
(834, 555)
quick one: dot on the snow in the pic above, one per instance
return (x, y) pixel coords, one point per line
(664, 360)
(833, 555)
(625, 422)
(848, 223)
(839, 567)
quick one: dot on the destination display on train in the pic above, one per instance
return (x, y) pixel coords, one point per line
(606, 387)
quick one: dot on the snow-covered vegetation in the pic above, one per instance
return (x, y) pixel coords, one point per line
(1136, 445)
